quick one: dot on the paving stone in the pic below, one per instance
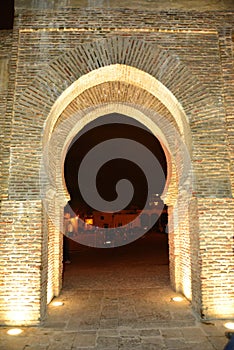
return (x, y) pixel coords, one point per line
(109, 312)
(172, 333)
(89, 325)
(85, 339)
(129, 332)
(193, 334)
(182, 314)
(108, 323)
(150, 332)
(153, 340)
(107, 342)
(148, 346)
(108, 333)
(55, 325)
(218, 342)
(211, 329)
(13, 345)
(58, 347)
(202, 346)
(175, 343)
(129, 342)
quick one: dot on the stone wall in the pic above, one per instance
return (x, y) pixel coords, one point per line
(187, 60)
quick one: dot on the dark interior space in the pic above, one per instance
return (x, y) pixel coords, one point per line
(6, 14)
(102, 129)
(151, 248)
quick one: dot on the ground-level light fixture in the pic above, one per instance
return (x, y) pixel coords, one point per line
(229, 325)
(57, 303)
(14, 331)
(177, 299)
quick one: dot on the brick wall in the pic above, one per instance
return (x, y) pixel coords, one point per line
(186, 58)
(216, 251)
(5, 122)
(21, 264)
(160, 5)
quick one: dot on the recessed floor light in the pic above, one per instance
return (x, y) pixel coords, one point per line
(14, 331)
(57, 303)
(229, 325)
(177, 299)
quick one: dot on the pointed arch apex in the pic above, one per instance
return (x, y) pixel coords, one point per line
(122, 73)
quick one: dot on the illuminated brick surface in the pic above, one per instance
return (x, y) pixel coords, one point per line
(175, 65)
(120, 301)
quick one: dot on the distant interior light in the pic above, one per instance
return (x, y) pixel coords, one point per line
(177, 299)
(229, 325)
(57, 303)
(108, 242)
(14, 331)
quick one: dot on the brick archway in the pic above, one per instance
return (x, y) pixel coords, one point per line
(170, 90)
(122, 94)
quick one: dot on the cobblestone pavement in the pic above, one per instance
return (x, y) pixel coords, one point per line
(119, 299)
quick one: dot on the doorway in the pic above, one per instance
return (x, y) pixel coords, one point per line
(141, 244)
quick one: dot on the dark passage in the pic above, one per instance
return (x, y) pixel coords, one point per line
(106, 268)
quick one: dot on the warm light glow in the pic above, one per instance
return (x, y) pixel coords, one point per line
(17, 316)
(89, 221)
(229, 325)
(223, 303)
(14, 331)
(187, 290)
(133, 30)
(57, 303)
(177, 299)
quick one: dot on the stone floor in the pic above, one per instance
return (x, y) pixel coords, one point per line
(119, 299)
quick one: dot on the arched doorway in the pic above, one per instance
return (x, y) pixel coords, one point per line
(172, 132)
(145, 245)
(140, 79)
